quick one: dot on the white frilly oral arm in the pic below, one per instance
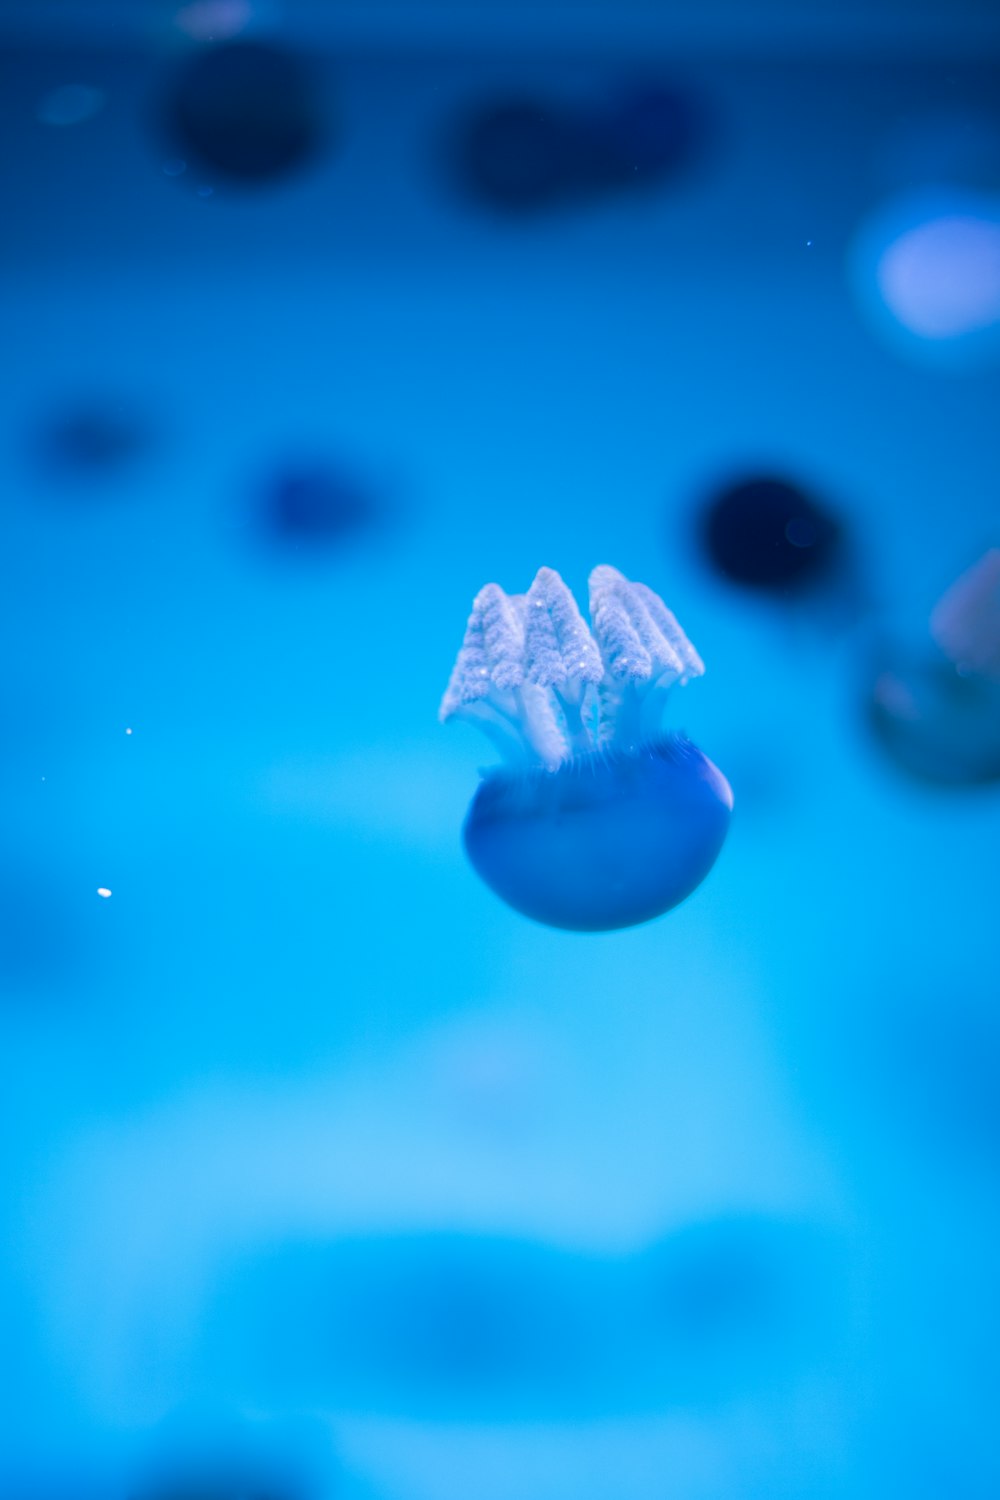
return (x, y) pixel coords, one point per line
(645, 652)
(488, 685)
(529, 666)
(560, 653)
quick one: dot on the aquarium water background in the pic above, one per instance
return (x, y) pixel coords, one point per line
(324, 1173)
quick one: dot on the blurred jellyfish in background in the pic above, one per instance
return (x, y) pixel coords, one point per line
(317, 506)
(453, 1326)
(245, 111)
(598, 820)
(926, 273)
(525, 154)
(650, 132)
(91, 440)
(965, 622)
(432, 1324)
(935, 704)
(518, 155)
(767, 533)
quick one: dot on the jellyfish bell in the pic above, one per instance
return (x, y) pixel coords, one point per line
(597, 819)
(607, 839)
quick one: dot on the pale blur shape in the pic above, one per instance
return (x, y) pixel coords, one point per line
(941, 279)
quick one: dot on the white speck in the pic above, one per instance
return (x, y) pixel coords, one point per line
(102, 890)
(809, 244)
(128, 731)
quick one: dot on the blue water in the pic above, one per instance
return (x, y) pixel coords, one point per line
(300, 1124)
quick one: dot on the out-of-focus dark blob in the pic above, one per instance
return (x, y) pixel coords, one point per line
(733, 1301)
(429, 1324)
(650, 132)
(520, 155)
(937, 724)
(766, 533)
(199, 1455)
(935, 704)
(523, 155)
(317, 506)
(452, 1326)
(248, 111)
(91, 440)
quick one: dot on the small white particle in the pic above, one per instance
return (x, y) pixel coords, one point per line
(128, 731)
(102, 890)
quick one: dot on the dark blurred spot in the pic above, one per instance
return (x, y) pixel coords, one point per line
(436, 1324)
(722, 1285)
(464, 1313)
(651, 132)
(246, 110)
(522, 155)
(765, 533)
(218, 1456)
(91, 440)
(319, 506)
(936, 723)
(735, 1301)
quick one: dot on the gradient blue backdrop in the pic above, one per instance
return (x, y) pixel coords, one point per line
(301, 1104)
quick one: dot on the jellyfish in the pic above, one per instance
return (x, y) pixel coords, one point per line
(935, 703)
(596, 819)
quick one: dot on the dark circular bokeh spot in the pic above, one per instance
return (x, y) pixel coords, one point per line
(651, 131)
(247, 110)
(524, 154)
(519, 155)
(90, 439)
(937, 724)
(766, 533)
(317, 505)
